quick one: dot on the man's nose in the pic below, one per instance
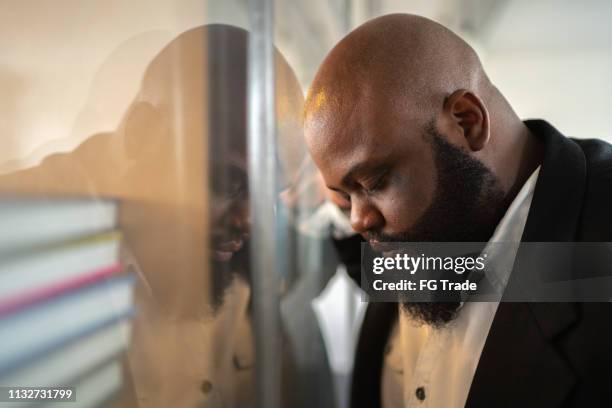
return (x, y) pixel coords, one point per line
(239, 217)
(364, 216)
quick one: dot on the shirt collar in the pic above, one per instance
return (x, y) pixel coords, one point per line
(501, 249)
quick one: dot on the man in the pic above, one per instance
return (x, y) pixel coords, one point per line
(417, 144)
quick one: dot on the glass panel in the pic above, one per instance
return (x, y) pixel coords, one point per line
(144, 260)
(125, 204)
(125, 268)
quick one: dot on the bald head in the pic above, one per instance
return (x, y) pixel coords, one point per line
(411, 59)
(199, 81)
(391, 98)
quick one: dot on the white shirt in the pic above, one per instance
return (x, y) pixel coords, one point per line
(441, 363)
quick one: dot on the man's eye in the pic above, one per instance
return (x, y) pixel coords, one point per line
(377, 184)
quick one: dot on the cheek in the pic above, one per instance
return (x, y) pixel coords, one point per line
(229, 214)
(408, 199)
(401, 210)
(218, 209)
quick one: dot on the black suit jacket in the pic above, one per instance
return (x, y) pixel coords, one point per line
(536, 354)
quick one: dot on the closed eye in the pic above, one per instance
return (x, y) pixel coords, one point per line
(377, 183)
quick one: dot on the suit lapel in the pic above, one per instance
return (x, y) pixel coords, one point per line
(520, 350)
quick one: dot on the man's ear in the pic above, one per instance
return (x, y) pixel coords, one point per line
(469, 116)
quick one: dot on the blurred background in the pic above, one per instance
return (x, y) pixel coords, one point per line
(70, 69)
(550, 58)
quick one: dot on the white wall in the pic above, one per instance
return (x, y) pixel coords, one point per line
(70, 68)
(569, 89)
(551, 58)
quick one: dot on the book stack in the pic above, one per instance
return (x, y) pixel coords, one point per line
(65, 304)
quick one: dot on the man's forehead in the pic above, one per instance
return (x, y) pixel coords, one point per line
(335, 118)
(347, 154)
(347, 129)
(338, 141)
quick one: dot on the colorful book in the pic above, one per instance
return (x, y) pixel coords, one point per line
(32, 333)
(30, 222)
(59, 268)
(74, 360)
(65, 305)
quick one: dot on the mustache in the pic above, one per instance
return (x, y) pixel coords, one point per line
(381, 237)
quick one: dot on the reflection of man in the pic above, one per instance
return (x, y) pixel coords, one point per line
(177, 163)
(419, 145)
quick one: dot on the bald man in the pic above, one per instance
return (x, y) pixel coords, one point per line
(417, 144)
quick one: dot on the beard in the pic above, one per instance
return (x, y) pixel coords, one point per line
(224, 273)
(468, 204)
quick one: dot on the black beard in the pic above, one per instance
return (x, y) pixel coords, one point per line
(435, 314)
(468, 204)
(223, 274)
